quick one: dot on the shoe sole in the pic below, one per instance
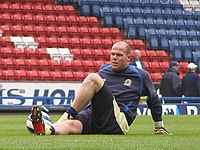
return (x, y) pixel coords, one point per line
(37, 121)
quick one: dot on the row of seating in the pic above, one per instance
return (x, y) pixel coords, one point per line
(37, 9)
(61, 31)
(47, 20)
(34, 75)
(35, 2)
(95, 4)
(50, 65)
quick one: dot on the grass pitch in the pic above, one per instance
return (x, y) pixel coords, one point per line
(185, 129)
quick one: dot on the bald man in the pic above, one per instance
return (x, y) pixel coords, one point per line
(136, 60)
(106, 103)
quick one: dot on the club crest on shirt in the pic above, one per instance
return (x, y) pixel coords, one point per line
(128, 82)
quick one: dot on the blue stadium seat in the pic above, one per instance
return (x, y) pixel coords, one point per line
(158, 12)
(154, 42)
(190, 24)
(131, 31)
(105, 3)
(108, 20)
(134, 3)
(188, 15)
(192, 35)
(182, 34)
(196, 15)
(85, 8)
(179, 13)
(155, 3)
(118, 20)
(150, 32)
(195, 44)
(104, 9)
(127, 11)
(180, 23)
(95, 6)
(188, 54)
(145, 3)
(115, 3)
(178, 53)
(116, 9)
(160, 23)
(164, 44)
(127, 20)
(147, 12)
(150, 22)
(161, 32)
(170, 24)
(176, 4)
(172, 33)
(168, 12)
(137, 11)
(196, 56)
(173, 43)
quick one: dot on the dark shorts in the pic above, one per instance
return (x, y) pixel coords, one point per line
(102, 115)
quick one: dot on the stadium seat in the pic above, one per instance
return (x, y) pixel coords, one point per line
(45, 75)
(163, 56)
(49, 9)
(79, 75)
(42, 53)
(27, 8)
(55, 65)
(43, 64)
(75, 43)
(156, 76)
(68, 76)
(29, 30)
(86, 43)
(40, 30)
(6, 29)
(18, 19)
(8, 52)
(88, 54)
(64, 42)
(61, 20)
(155, 67)
(164, 66)
(51, 31)
(20, 64)
(9, 75)
(153, 56)
(84, 32)
(56, 75)
(89, 66)
(178, 53)
(30, 53)
(99, 63)
(99, 54)
(8, 64)
(32, 64)
(187, 52)
(78, 65)
(66, 65)
(21, 75)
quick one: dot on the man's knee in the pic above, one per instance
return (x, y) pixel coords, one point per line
(69, 127)
(95, 79)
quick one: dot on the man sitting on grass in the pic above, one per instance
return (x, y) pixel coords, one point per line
(106, 103)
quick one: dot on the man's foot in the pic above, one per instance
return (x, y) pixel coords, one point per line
(36, 118)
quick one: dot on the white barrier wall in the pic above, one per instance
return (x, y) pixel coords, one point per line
(30, 89)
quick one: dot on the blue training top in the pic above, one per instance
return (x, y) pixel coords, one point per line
(127, 86)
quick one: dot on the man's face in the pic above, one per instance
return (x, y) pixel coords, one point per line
(118, 57)
(137, 54)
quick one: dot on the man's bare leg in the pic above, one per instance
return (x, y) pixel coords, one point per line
(91, 85)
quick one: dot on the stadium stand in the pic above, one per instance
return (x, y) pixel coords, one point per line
(48, 39)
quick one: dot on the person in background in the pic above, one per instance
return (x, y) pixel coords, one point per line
(136, 60)
(170, 85)
(191, 82)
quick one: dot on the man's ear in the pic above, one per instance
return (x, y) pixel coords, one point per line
(129, 57)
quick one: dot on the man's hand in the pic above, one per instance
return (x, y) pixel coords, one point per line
(159, 128)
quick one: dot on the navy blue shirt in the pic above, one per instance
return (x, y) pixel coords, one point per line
(191, 85)
(127, 86)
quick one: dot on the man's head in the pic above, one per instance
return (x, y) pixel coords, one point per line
(174, 64)
(120, 56)
(136, 54)
(192, 67)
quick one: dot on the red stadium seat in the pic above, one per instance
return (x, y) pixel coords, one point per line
(116, 33)
(2, 77)
(107, 43)
(86, 43)
(6, 18)
(107, 54)
(77, 53)
(93, 21)
(29, 30)
(79, 75)
(21, 75)
(8, 52)
(33, 75)
(156, 77)
(83, 22)
(40, 31)
(84, 32)
(163, 55)
(88, 54)
(70, 10)
(28, 19)
(146, 64)
(98, 43)
(53, 42)
(57, 76)
(51, 31)
(45, 75)
(40, 19)
(18, 30)
(73, 31)
(42, 53)
(99, 54)
(9, 75)
(155, 67)
(68, 76)
(106, 33)
(49, 9)
(6, 29)
(50, 20)
(144, 55)
(67, 65)
(8, 64)
(27, 9)
(153, 55)
(38, 9)
(78, 65)
(95, 31)
(75, 43)
(16, 8)
(164, 66)
(99, 63)
(20, 64)
(72, 21)
(43, 64)
(61, 20)
(59, 10)
(32, 64)
(55, 65)
(18, 18)
(5, 8)
(42, 42)
(30, 53)
(63, 32)
(89, 66)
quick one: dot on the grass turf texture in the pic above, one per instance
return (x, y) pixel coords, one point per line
(185, 129)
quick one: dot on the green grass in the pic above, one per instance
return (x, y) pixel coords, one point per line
(185, 129)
